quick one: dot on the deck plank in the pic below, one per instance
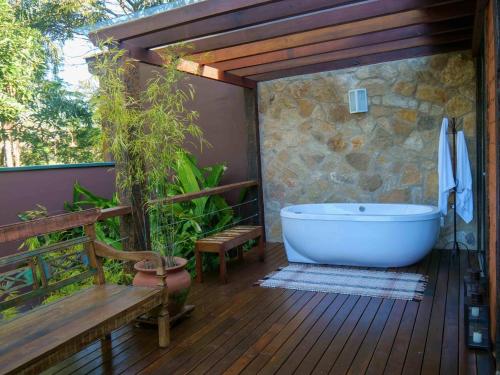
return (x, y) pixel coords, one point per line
(204, 351)
(360, 362)
(432, 355)
(305, 345)
(254, 350)
(220, 352)
(399, 349)
(416, 349)
(350, 349)
(282, 354)
(318, 301)
(330, 332)
(368, 304)
(245, 340)
(238, 328)
(449, 349)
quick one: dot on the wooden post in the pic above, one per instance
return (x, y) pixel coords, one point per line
(254, 157)
(134, 227)
(222, 266)
(96, 262)
(199, 265)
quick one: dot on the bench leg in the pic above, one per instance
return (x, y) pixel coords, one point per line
(106, 343)
(240, 253)
(261, 249)
(199, 266)
(163, 327)
(222, 266)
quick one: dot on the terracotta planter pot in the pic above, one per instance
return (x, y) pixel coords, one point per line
(178, 282)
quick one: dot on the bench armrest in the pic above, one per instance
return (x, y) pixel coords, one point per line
(105, 251)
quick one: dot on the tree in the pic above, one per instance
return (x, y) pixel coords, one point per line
(32, 100)
(131, 6)
(30, 31)
(57, 21)
(22, 64)
(61, 128)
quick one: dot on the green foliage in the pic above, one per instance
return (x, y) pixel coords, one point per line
(144, 131)
(176, 227)
(131, 6)
(107, 231)
(22, 63)
(61, 128)
(59, 20)
(42, 122)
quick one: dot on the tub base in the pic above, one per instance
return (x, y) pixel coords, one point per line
(295, 257)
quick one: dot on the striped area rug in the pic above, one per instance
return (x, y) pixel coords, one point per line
(346, 280)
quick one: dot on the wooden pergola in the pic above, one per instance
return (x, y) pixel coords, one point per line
(243, 42)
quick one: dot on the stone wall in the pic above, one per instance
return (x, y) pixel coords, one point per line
(314, 150)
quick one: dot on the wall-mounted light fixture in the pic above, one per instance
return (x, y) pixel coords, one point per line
(358, 101)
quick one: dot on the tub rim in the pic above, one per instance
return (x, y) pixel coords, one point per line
(434, 213)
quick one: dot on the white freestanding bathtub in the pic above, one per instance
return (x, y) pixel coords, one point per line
(359, 234)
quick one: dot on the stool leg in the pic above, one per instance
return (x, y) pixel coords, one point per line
(261, 249)
(222, 266)
(199, 266)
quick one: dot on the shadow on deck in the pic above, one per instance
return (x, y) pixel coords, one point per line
(239, 328)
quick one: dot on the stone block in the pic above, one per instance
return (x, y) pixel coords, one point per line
(358, 160)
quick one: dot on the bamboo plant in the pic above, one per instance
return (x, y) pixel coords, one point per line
(144, 131)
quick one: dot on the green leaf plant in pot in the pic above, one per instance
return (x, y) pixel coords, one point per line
(145, 131)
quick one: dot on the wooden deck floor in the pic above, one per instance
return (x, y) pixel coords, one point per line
(239, 328)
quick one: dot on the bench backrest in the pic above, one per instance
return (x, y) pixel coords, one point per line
(29, 275)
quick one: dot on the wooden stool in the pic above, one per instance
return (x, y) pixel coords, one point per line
(224, 241)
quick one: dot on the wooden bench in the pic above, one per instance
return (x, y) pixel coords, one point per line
(45, 335)
(224, 241)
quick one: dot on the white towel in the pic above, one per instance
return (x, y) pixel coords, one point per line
(464, 180)
(445, 171)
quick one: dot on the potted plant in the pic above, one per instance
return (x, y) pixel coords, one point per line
(145, 133)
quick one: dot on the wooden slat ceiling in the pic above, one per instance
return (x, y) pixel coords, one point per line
(245, 41)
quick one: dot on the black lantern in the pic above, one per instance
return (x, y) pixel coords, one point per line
(476, 312)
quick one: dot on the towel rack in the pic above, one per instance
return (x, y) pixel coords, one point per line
(456, 246)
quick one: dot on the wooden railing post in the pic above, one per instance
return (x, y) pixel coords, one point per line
(255, 162)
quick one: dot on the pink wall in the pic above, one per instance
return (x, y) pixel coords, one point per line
(222, 116)
(22, 190)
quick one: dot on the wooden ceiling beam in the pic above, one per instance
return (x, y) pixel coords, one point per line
(155, 59)
(346, 43)
(363, 60)
(354, 52)
(407, 18)
(143, 55)
(181, 15)
(229, 21)
(209, 72)
(329, 17)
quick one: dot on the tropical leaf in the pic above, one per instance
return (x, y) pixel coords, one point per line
(186, 175)
(215, 175)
